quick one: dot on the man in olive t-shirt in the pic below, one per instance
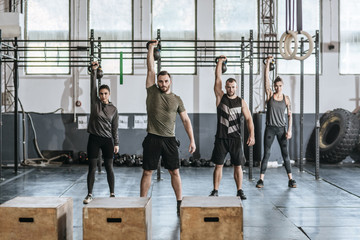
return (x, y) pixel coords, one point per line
(162, 106)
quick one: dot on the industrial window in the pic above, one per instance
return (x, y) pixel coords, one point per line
(234, 19)
(349, 37)
(47, 20)
(176, 21)
(311, 23)
(113, 21)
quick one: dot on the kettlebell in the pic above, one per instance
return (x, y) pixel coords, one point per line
(157, 50)
(223, 67)
(272, 64)
(157, 54)
(99, 73)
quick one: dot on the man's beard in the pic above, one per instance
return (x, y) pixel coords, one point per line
(164, 89)
(230, 94)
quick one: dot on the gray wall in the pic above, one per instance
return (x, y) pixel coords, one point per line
(60, 132)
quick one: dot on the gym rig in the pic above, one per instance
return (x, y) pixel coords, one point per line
(240, 53)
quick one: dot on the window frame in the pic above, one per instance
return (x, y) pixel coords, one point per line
(26, 39)
(256, 38)
(195, 35)
(320, 46)
(339, 46)
(132, 36)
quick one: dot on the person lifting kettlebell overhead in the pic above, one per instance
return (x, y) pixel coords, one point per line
(230, 108)
(162, 107)
(276, 103)
(157, 49)
(271, 61)
(103, 132)
(224, 63)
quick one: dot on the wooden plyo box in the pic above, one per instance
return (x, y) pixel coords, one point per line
(37, 218)
(211, 218)
(117, 218)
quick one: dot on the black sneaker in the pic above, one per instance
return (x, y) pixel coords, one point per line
(214, 193)
(240, 193)
(260, 184)
(88, 199)
(292, 183)
(112, 194)
(178, 207)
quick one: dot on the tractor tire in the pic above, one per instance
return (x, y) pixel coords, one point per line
(339, 134)
(355, 154)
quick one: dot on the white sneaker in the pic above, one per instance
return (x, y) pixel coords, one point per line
(88, 199)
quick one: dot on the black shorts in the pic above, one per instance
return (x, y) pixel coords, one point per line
(155, 146)
(96, 143)
(222, 146)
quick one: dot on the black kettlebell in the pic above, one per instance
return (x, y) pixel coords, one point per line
(272, 64)
(157, 50)
(157, 54)
(223, 67)
(99, 73)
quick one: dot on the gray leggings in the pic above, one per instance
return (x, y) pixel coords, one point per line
(270, 133)
(108, 162)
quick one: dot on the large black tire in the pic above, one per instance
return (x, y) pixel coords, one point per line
(310, 148)
(339, 134)
(355, 154)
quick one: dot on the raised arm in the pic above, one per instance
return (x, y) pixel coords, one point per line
(188, 128)
(150, 78)
(249, 123)
(289, 114)
(267, 84)
(218, 83)
(93, 88)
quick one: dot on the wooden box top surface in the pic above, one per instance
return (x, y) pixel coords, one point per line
(119, 202)
(36, 202)
(205, 201)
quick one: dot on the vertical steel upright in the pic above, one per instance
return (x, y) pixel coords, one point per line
(91, 46)
(242, 68)
(158, 38)
(91, 59)
(317, 101)
(16, 111)
(99, 58)
(1, 139)
(251, 81)
(301, 107)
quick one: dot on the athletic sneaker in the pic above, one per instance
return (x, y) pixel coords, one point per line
(214, 193)
(292, 183)
(88, 199)
(112, 195)
(260, 184)
(240, 193)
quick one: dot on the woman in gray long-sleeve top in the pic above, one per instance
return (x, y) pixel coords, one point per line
(103, 129)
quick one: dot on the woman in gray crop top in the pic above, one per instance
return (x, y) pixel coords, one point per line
(277, 103)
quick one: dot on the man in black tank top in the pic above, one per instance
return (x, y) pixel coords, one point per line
(277, 103)
(228, 135)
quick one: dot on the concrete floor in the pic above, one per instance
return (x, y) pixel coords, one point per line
(323, 209)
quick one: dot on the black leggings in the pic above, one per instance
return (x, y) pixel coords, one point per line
(270, 133)
(106, 145)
